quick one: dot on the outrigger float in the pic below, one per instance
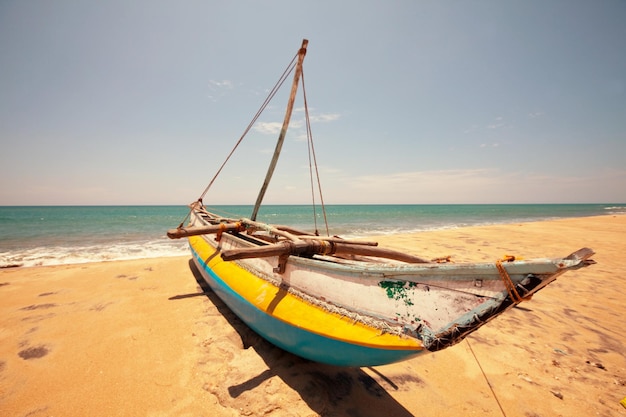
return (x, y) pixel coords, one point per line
(349, 302)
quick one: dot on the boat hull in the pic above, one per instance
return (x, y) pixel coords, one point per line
(361, 312)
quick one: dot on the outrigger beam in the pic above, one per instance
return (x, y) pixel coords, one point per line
(317, 247)
(182, 232)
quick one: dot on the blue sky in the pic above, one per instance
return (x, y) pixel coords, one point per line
(139, 102)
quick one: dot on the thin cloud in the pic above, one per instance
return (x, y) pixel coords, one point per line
(224, 84)
(467, 186)
(411, 179)
(471, 129)
(497, 124)
(268, 128)
(418, 186)
(318, 118)
(219, 89)
(273, 128)
(324, 118)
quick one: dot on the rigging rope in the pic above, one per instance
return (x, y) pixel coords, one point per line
(311, 149)
(271, 95)
(495, 397)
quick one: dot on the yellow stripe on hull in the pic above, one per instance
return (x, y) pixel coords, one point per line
(295, 311)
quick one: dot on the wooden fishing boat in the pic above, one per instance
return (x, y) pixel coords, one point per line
(349, 302)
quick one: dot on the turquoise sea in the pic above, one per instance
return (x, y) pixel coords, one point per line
(52, 235)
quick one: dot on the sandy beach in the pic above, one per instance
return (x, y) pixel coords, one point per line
(142, 338)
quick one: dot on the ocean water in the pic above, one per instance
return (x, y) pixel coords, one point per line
(52, 235)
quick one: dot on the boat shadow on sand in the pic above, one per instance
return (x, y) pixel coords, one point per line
(327, 390)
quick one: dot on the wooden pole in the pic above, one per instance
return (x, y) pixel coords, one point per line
(283, 131)
(182, 232)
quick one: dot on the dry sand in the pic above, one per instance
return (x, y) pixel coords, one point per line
(139, 338)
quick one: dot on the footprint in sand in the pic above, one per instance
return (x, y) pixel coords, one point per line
(34, 352)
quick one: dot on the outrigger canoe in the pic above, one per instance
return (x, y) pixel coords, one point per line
(349, 302)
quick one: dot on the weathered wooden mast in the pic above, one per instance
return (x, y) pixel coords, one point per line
(283, 131)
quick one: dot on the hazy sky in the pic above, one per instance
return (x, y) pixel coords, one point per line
(139, 102)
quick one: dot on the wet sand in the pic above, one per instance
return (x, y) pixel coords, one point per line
(142, 338)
